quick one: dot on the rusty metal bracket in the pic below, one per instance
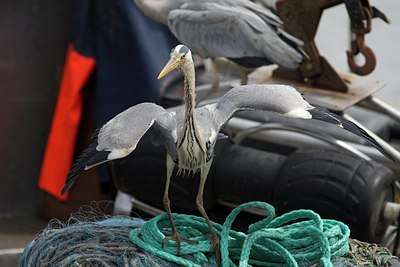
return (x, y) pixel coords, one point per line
(301, 19)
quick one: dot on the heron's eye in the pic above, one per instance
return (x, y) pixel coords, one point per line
(183, 56)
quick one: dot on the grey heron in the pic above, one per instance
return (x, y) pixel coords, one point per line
(240, 30)
(189, 133)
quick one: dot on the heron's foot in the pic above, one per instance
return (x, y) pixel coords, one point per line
(178, 239)
(215, 247)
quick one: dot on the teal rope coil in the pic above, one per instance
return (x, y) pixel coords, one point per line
(297, 238)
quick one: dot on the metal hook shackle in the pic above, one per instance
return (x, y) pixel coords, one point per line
(358, 46)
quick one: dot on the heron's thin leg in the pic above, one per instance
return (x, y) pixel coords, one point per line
(215, 82)
(244, 77)
(199, 201)
(175, 235)
(166, 201)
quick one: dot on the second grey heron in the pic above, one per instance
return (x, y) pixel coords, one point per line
(242, 31)
(190, 133)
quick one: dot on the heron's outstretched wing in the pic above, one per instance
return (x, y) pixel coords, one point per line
(282, 99)
(216, 30)
(120, 136)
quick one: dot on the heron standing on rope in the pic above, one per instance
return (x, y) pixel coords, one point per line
(242, 31)
(189, 133)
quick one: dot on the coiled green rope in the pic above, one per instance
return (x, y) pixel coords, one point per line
(297, 238)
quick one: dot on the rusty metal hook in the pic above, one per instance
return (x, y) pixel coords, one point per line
(358, 46)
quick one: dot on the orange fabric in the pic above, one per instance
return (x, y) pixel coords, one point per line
(59, 152)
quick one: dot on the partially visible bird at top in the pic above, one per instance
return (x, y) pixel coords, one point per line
(189, 133)
(244, 32)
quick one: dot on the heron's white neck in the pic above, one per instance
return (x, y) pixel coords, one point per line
(191, 148)
(189, 90)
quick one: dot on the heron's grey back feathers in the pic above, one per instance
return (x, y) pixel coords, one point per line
(215, 30)
(240, 30)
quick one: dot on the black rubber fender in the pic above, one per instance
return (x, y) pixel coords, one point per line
(338, 186)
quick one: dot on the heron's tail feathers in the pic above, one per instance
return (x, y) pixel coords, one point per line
(89, 158)
(325, 115)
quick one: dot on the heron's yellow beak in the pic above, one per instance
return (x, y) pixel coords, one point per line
(171, 65)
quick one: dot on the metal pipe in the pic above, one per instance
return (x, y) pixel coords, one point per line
(140, 205)
(294, 139)
(243, 128)
(387, 147)
(376, 104)
(124, 203)
(323, 137)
